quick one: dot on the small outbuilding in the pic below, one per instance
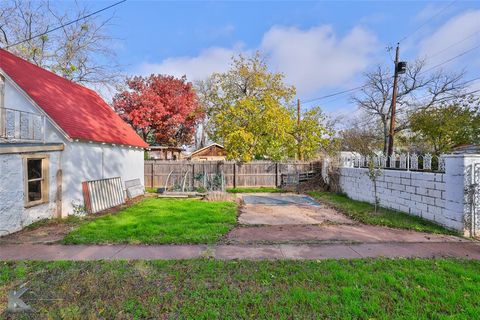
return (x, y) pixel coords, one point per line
(213, 152)
(54, 136)
(164, 153)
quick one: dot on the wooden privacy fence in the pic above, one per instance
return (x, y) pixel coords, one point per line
(193, 174)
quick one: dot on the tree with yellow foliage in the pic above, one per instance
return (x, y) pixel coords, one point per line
(251, 112)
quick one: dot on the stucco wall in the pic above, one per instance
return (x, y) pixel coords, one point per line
(84, 161)
(13, 215)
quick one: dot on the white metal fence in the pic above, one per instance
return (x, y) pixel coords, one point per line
(404, 161)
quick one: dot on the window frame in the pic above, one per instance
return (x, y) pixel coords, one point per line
(44, 180)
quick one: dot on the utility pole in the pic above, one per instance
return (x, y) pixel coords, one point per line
(299, 151)
(393, 106)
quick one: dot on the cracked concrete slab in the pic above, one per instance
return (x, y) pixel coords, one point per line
(331, 233)
(286, 209)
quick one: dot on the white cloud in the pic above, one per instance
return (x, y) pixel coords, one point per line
(311, 59)
(452, 34)
(316, 58)
(195, 68)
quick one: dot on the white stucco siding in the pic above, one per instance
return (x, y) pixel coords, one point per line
(13, 214)
(79, 161)
(17, 100)
(83, 161)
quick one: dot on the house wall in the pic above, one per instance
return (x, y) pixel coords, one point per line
(13, 215)
(83, 161)
(15, 99)
(80, 161)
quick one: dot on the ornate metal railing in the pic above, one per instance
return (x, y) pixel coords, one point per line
(17, 125)
(404, 161)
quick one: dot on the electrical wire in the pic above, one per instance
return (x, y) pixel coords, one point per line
(66, 24)
(452, 45)
(451, 59)
(427, 21)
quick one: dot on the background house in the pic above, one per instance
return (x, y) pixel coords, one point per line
(164, 153)
(54, 135)
(213, 152)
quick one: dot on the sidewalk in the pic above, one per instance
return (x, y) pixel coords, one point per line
(466, 250)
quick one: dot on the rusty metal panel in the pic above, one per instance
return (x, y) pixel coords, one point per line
(103, 194)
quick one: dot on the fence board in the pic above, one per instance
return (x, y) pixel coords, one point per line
(251, 174)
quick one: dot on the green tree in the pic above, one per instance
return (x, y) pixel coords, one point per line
(251, 112)
(311, 134)
(446, 127)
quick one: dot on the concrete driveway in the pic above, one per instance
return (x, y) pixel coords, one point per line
(276, 218)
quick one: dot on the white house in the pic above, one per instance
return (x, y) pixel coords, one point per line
(54, 135)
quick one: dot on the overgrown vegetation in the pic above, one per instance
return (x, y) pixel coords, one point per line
(159, 221)
(253, 190)
(365, 212)
(209, 289)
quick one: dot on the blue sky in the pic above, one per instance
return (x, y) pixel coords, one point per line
(322, 47)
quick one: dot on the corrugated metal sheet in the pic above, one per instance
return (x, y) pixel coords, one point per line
(103, 194)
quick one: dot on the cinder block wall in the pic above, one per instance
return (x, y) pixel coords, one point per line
(417, 193)
(439, 197)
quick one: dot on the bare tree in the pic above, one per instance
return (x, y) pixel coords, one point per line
(81, 51)
(206, 95)
(417, 90)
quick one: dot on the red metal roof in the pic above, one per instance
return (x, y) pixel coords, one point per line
(79, 111)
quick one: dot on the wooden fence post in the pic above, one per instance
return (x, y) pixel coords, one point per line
(234, 174)
(193, 176)
(276, 174)
(153, 175)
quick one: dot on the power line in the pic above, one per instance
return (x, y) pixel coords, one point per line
(427, 21)
(452, 45)
(422, 72)
(335, 94)
(451, 59)
(66, 24)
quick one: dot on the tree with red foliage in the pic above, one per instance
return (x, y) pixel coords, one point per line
(162, 109)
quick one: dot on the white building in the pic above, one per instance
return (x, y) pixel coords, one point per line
(54, 135)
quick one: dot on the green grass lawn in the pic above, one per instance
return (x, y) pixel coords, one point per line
(159, 221)
(252, 190)
(209, 289)
(364, 212)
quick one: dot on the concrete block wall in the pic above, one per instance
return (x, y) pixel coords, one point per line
(438, 197)
(417, 193)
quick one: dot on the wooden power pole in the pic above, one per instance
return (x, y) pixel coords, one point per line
(299, 151)
(393, 106)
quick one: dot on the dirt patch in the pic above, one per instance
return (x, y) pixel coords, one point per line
(293, 218)
(327, 233)
(54, 230)
(296, 214)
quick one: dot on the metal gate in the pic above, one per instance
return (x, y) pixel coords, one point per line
(473, 198)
